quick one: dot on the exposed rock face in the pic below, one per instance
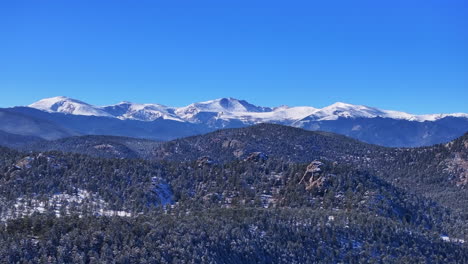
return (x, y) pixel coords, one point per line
(204, 161)
(458, 166)
(232, 144)
(24, 163)
(257, 157)
(313, 177)
(27, 162)
(238, 153)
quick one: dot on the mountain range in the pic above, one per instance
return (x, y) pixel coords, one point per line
(59, 117)
(227, 109)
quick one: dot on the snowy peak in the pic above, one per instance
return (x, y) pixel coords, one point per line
(222, 108)
(230, 105)
(123, 110)
(235, 105)
(62, 104)
(142, 112)
(344, 110)
(339, 109)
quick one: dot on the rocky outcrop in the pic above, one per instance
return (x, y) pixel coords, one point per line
(232, 144)
(257, 157)
(204, 161)
(28, 162)
(24, 163)
(236, 145)
(458, 168)
(314, 177)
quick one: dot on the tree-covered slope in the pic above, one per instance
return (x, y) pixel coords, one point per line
(223, 236)
(263, 194)
(438, 172)
(98, 146)
(277, 141)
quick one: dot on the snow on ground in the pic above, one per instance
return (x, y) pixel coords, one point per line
(62, 204)
(446, 238)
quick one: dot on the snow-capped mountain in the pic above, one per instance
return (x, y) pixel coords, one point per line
(122, 110)
(230, 105)
(59, 117)
(344, 110)
(62, 104)
(227, 109)
(142, 112)
(240, 110)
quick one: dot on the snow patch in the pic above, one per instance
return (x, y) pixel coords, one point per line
(62, 204)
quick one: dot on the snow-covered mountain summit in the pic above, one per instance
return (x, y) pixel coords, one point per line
(62, 104)
(160, 122)
(227, 110)
(123, 110)
(225, 105)
(344, 110)
(143, 112)
(222, 108)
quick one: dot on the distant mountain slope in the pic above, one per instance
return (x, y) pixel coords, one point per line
(393, 132)
(16, 122)
(159, 129)
(17, 141)
(98, 146)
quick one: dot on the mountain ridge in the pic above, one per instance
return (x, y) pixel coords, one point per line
(227, 108)
(60, 117)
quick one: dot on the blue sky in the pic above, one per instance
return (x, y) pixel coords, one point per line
(403, 55)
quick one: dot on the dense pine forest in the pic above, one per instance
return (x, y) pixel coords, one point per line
(262, 194)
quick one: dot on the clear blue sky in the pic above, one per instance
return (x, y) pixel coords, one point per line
(409, 55)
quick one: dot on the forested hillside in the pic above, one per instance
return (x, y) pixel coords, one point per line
(438, 172)
(263, 194)
(98, 146)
